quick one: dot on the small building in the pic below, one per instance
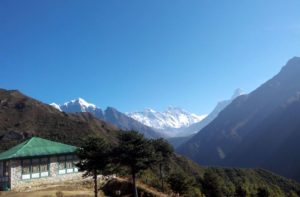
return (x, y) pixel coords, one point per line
(35, 162)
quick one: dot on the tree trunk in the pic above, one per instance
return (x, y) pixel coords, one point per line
(161, 177)
(95, 184)
(135, 193)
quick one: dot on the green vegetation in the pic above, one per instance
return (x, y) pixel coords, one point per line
(180, 183)
(163, 151)
(95, 158)
(247, 182)
(134, 152)
(153, 163)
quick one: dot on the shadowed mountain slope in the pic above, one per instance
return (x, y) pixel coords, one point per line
(261, 129)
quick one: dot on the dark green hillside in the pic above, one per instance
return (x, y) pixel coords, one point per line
(233, 181)
(221, 182)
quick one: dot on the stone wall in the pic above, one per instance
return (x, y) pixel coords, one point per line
(17, 184)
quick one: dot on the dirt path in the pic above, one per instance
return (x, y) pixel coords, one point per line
(66, 189)
(72, 189)
(51, 193)
(146, 188)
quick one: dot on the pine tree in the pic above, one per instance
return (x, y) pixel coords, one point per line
(94, 158)
(136, 153)
(163, 151)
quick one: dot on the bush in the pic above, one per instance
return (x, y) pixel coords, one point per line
(263, 192)
(180, 183)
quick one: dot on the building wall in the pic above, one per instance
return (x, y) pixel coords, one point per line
(17, 184)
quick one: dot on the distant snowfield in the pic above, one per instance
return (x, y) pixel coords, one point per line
(171, 118)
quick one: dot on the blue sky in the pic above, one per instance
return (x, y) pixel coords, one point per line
(136, 54)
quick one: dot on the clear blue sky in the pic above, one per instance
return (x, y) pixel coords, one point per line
(144, 53)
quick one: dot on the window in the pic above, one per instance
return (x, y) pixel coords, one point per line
(62, 164)
(69, 163)
(35, 168)
(44, 167)
(75, 161)
(26, 169)
(6, 168)
(66, 164)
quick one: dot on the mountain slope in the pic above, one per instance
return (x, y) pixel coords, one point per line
(260, 129)
(109, 115)
(194, 128)
(22, 116)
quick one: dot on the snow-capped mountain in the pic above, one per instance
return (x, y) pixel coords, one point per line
(173, 122)
(110, 115)
(76, 105)
(171, 118)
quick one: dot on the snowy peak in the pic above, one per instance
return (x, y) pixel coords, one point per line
(76, 105)
(171, 118)
(81, 103)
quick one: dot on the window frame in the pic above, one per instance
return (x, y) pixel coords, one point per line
(31, 168)
(72, 158)
(48, 166)
(61, 161)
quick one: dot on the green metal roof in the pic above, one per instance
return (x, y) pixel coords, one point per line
(37, 147)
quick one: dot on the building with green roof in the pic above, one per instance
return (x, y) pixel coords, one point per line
(36, 161)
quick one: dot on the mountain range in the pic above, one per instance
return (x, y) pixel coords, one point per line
(173, 122)
(22, 116)
(151, 123)
(173, 117)
(260, 129)
(110, 115)
(170, 122)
